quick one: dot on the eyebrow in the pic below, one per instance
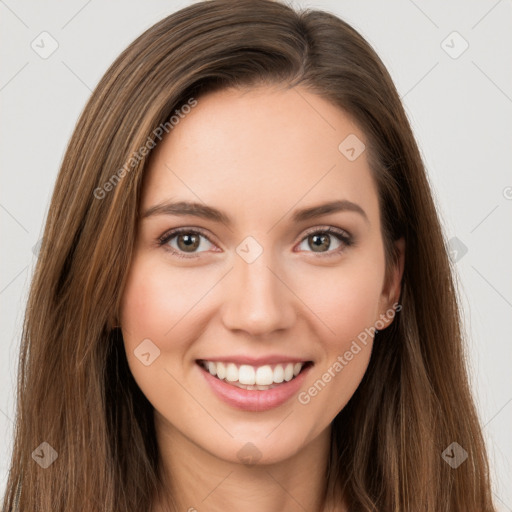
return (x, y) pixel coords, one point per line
(182, 208)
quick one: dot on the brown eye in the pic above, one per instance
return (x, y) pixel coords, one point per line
(183, 241)
(188, 242)
(320, 241)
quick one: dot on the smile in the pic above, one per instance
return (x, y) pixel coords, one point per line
(250, 377)
(242, 385)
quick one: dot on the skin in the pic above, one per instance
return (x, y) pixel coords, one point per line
(231, 151)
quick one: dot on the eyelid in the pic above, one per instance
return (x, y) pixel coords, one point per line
(325, 229)
(343, 236)
(172, 233)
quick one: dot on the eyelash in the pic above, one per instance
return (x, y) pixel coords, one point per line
(342, 235)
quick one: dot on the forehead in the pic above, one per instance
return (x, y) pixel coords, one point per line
(258, 152)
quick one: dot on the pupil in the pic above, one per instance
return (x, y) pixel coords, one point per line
(322, 239)
(190, 241)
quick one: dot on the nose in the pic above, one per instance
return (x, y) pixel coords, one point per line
(258, 298)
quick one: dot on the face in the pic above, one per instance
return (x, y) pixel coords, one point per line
(274, 295)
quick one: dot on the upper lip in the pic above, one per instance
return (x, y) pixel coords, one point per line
(255, 361)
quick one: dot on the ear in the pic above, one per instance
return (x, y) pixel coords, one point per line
(391, 292)
(112, 322)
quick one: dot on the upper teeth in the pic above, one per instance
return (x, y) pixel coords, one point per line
(253, 375)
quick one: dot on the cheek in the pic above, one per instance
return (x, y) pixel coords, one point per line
(157, 303)
(345, 300)
(349, 309)
(333, 383)
(347, 305)
(146, 304)
(163, 305)
(154, 307)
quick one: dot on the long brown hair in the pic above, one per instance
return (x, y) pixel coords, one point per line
(75, 390)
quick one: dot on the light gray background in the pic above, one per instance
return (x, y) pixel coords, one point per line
(460, 109)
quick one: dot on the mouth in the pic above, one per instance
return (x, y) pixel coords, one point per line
(255, 387)
(254, 378)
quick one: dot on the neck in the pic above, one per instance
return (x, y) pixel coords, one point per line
(196, 480)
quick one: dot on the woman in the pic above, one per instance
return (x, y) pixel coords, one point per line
(187, 343)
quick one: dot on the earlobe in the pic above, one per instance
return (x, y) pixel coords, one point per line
(113, 323)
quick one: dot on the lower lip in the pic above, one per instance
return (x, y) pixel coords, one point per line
(255, 400)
